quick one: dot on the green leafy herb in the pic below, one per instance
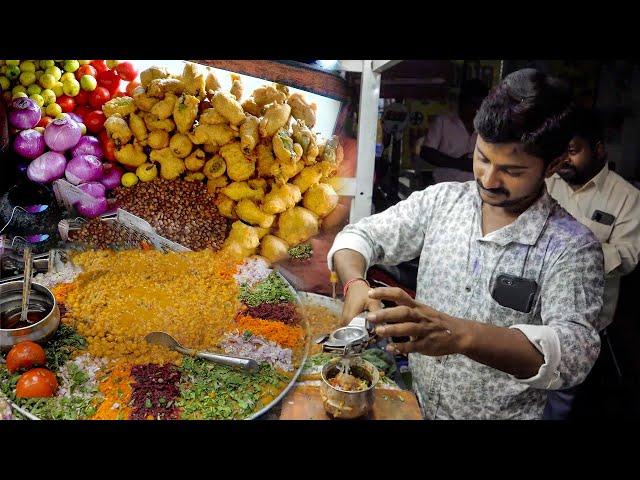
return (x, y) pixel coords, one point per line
(303, 251)
(270, 290)
(210, 391)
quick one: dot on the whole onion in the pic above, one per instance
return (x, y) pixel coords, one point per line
(62, 134)
(29, 144)
(75, 117)
(111, 176)
(24, 113)
(88, 145)
(95, 189)
(83, 168)
(93, 208)
(47, 167)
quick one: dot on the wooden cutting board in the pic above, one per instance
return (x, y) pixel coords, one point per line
(304, 402)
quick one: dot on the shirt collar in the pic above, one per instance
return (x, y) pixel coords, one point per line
(598, 180)
(526, 229)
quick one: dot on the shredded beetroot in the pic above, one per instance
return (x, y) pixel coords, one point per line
(284, 312)
(154, 392)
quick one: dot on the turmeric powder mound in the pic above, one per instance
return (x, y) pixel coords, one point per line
(122, 296)
(116, 388)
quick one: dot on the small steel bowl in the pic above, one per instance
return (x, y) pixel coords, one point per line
(348, 405)
(41, 300)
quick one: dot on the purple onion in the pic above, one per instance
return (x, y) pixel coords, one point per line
(92, 208)
(29, 144)
(62, 134)
(24, 113)
(111, 176)
(95, 189)
(47, 167)
(88, 145)
(84, 168)
(76, 117)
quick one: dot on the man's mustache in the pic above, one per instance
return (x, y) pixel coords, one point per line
(495, 191)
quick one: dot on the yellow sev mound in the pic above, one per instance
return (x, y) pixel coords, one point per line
(122, 296)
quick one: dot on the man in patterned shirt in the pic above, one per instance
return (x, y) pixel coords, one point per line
(509, 284)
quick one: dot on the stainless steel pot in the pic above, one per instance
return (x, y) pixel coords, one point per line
(342, 404)
(41, 300)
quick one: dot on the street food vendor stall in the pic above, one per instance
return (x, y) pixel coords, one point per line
(155, 204)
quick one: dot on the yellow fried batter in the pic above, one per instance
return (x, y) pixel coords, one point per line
(215, 167)
(307, 140)
(236, 86)
(214, 184)
(212, 134)
(281, 198)
(251, 107)
(302, 110)
(195, 161)
(308, 176)
(226, 206)
(239, 190)
(297, 225)
(227, 106)
(194, 82)
(164, 108)
(249, 136)
(321, 199)
(158, 139)
(275, 117)
(138, 127)
(267, 165)
(118, 130)
(130, 155)
(152, 73)
(185, 111)
(239, 167)
(211, 83)
(286, 151)
(161, 86)
(249, 212)
(267, 94)
(122, 106)
(180, 145)
(211, 117)
(154, 123)
(143, 101)
(273, 248)
(171, 167)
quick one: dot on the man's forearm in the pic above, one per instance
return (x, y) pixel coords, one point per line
(439, 159)
(505, 349)
(349, 264)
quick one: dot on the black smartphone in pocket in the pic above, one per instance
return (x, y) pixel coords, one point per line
(514, 292)
(603, 217)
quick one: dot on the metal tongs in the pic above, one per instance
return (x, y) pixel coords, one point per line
(26, 284)
(352, 339)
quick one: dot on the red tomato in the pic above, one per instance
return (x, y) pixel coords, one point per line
(99, 97)
(82, 98)
(86, 70)
(25, 355)
(127, 71)
(109, 149)
(82, 111)
(131, 86)
(119, 94)
(109, 79)
(94, 121)
(67, 103)
(99, 65)
(44, 121)
(36, 383)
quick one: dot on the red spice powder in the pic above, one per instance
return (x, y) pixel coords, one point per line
(284, 312)
(154, 392)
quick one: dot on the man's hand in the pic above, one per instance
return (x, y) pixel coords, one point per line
(432, 332)
(357, 301)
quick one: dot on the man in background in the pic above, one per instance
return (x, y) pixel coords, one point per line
(609, 206)
(451, 138)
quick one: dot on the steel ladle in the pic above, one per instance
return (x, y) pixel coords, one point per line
(162, 338)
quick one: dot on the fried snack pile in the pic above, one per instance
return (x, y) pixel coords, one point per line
(268, 171)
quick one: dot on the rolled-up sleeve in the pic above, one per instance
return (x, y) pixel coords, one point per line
(571, 300)
(390, 237)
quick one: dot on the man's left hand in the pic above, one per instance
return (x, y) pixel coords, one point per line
(432, 332)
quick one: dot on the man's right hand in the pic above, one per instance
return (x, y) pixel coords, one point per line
(357, 301)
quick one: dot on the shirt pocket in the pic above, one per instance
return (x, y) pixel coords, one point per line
(502, 316)
(600, 230)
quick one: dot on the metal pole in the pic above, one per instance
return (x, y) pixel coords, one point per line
(367, 125)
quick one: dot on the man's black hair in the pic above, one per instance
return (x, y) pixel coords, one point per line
(528, 107)
(473, 89)
(588, 125)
